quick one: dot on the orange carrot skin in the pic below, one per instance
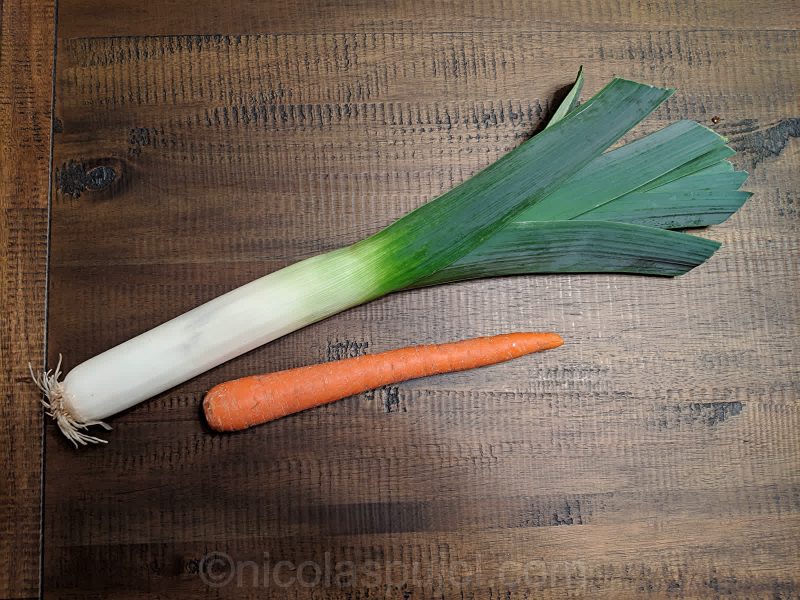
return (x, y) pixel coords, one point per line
(242, 403)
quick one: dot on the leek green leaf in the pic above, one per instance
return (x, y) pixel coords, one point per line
(712, 158)
(609, 215)
(570, 101)
(716, 178)
(414, 246)
(671, 210)
(626, 169)
(579, 247)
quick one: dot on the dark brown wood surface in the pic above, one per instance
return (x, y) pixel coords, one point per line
(27, 37)
(200, 145)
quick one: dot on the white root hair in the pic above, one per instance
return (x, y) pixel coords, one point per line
(55, 405)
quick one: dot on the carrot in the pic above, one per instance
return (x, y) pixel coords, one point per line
(242, 403)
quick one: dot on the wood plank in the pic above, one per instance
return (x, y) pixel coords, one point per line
(212, 72)
(85, 18)
(655, 453)
(27, 38)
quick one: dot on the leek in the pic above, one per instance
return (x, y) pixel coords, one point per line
(484, 214)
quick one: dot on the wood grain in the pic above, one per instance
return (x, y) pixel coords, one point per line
(202, 145)
(87, 18)
(27, 38)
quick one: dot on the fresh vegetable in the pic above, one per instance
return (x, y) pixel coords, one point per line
(488, 225)
(253, 400)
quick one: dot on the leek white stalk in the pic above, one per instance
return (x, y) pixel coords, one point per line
(423, 242)
(206, 336)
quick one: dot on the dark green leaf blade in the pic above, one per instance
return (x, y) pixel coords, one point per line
(579, 247)
(713, 158)
(718, 177)
(570, 101)
(671, 210)
(626, 169)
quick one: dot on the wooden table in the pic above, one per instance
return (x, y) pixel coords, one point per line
(194, 146)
